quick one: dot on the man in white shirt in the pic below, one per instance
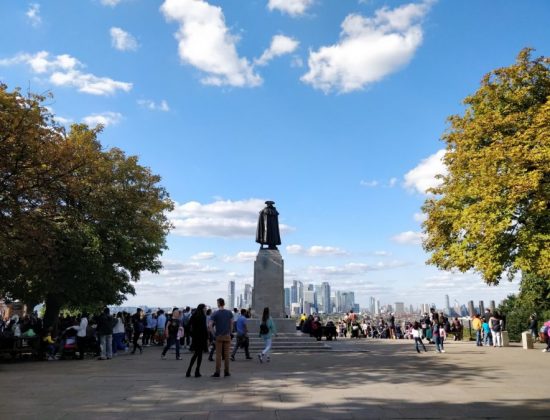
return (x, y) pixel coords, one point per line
(81, 334)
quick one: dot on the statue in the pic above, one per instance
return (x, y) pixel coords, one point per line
(268, 227)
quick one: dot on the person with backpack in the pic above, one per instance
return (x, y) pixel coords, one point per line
(495, 324)
(242, 335)
(267, 331)
(173, 333)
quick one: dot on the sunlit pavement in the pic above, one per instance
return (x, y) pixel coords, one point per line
(360, 379)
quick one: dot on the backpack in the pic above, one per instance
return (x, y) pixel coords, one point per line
(495, 324)
(264, 329)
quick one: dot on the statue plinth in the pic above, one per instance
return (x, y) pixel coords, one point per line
(269, 284)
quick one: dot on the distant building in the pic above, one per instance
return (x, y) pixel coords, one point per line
(399, 308)
(231, 294)
(287, 299)
(325, 298)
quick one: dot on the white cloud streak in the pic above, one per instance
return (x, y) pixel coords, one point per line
(33, 14)
(204, 41)
(354, 269)
(315, 251)
(369, 49)
(65, 70)
(280, 45)
(409, 238)
(110, 3)
(105, 118)
(122, 40)
(243, 256)
(203, 256)
(291, 7)
(153, 106)
(223, 218)
(423, 176)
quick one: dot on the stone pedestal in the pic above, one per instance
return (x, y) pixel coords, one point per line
(282, 325)
(268, 284)
(527, 340)
(505, 339)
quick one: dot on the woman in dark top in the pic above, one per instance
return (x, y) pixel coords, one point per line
(199, 338)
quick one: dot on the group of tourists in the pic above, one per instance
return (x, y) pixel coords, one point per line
(200, 330)
(488, 328)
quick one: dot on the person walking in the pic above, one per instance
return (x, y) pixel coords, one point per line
(173, 332)
(267, 331)
(199, 338)
(105, 324)
(417, 335)
(137, 327)
(242, 335)
(222, 322)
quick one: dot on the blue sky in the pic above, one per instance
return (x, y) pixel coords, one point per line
(331, 108)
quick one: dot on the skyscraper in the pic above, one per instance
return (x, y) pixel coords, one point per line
(231, 295)
(287, 300)
(247, 298)
(325, 293)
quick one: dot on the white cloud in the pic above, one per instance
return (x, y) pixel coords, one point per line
(369, 184)
(110, 3)
(423, 176)
(369, 49)
(315, 250)
(241, 257)
(33, 14)
(291, 7)
(392, 182)
(352, 269)
(409, 238)
(419, 217)
(122, 40)
(65, 70)
(62, 120)
(203, 256)
(105, 118)
(206, 43)
(153, 106)
(280, 45)
(225, 218)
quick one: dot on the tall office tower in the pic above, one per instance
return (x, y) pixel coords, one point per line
(325, 293)
(287, 300)
(294, 292)
(351, 300)
(372, 305)
(339, 304)
(247, 303)
(230, 295)
(377, 308)
(319, 297)
(240, 301)
(309, 301)
(399, 308)
(300, 292)
(447, 305)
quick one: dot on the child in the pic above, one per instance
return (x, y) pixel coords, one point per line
(437, 339)
(417, 335)
(442, 337)
(51, 348)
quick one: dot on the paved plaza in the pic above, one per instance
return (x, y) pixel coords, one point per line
(361, 379)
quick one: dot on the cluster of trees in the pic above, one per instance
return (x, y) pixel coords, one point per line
(491, 212)
(78, 223)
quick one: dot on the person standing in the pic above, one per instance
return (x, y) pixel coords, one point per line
(137, 327)
(242, 335)
(267, 331)
(199, 338)
(533, 327)
(105, 324)
(118, 334)
(161, 324)
(496, 329)
(173, 332)
(81, 335)
(477, 327)
(417, 335)
(222, 321)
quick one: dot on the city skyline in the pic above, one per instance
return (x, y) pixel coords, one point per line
(333, 111)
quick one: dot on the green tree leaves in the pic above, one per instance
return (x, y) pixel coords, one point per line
(492, 211)
(77, 223)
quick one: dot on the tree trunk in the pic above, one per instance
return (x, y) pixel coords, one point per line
(53, 306)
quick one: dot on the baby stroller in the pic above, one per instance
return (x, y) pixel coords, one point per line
(68, 347)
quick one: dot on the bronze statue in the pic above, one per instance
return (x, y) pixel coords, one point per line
(268, 227)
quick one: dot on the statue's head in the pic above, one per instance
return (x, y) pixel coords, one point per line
(270, 203)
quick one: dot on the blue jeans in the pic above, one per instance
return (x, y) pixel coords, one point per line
(438, 343)
(478, 338)
(118, 342)
(488, 339)
(418, 342)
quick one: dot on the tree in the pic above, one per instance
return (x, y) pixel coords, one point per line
(78, 224)
(491, 213)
